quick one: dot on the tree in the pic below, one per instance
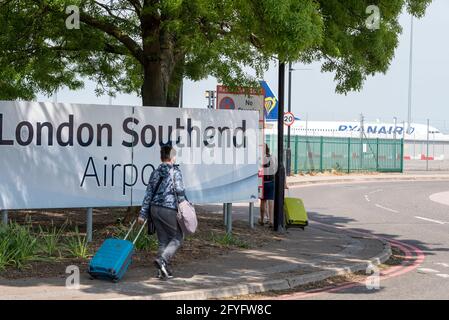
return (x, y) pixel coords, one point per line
(149, 46)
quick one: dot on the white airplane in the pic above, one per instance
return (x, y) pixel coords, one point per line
(346, 129)
(342, 129)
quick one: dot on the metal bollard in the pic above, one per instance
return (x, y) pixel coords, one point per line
(4, 217)
(89, 224)
(225, 217)
(251, 215)
(229, 219)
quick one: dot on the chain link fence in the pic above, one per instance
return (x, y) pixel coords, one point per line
(319, 154)
(426, 155)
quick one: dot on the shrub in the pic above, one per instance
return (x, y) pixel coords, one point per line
(228, 240)
(77, 245)
(6, 254)
(17, 245)
(50, 239)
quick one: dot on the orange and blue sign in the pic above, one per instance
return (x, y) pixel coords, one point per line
(227, 103)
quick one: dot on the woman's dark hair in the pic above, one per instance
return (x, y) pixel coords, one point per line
(267, 150)
(167, 153)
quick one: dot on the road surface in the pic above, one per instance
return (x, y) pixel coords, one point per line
(413, 213)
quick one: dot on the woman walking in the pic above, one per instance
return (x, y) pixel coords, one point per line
(266, 204)
(163, 194)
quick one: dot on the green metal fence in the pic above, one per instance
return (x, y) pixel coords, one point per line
(342, 154)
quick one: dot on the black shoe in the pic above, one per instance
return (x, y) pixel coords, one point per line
(160, 276)
(169, 270)
(164, 273)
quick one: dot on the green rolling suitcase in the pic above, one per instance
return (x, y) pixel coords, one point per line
(295, 213)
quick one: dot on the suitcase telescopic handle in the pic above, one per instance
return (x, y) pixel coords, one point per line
(131, 229)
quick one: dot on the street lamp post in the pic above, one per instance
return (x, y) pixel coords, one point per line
(290, 70)
(280, 173)
(395, 119)
(211, 95)
(427, 152)
(208, 99)
(410, 81)
(213, 99)
(288, 153)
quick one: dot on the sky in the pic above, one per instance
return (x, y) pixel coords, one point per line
(382, 97)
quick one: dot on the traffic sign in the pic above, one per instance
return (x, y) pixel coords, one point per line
(289, 119)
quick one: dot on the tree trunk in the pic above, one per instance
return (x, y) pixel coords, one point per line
(173, 98)
(154, 92)
(157, 91)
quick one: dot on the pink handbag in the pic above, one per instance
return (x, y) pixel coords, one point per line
(187, 217)
(186, 213)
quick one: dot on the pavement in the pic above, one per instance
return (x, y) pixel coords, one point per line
(299, 258)
(322, 250)
(300, 180)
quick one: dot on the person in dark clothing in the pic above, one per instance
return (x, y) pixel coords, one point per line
(266, 203)
(164, 191)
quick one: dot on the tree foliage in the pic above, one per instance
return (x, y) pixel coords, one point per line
(148, 46)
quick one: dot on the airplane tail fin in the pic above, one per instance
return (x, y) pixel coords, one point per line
(271, 103)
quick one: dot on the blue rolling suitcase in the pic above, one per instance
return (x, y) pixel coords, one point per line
(113, 258)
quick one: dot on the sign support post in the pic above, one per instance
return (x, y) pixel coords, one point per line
(4, 217)
(228, 218)
(289, 119)
(225, 216)
(251, 215)
(89, 224)
(243, 99)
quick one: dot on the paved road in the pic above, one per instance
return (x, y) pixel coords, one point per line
(395, 210)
